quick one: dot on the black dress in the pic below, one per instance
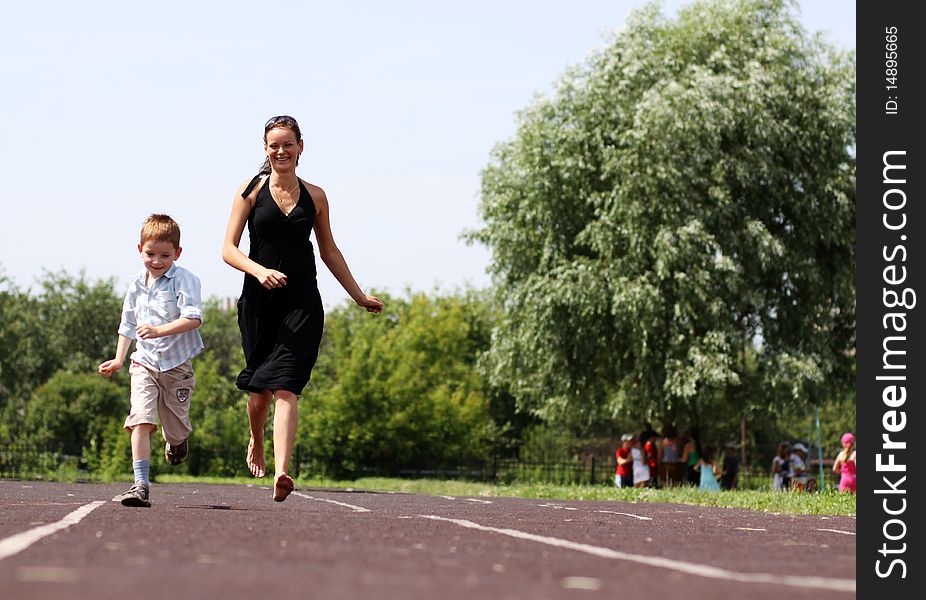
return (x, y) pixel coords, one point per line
(280, 328)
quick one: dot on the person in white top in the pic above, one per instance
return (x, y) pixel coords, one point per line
(781, 472)
(798, 466)
(641, 474)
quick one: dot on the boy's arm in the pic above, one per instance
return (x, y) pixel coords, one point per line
(126, 334)
(189, 302)
(149, 332)
(107, 368)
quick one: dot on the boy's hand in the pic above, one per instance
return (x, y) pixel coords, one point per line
(109, 367)
(147, 332)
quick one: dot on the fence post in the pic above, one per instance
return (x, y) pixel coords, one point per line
(591, 479)
(822, 483)
(743, 440)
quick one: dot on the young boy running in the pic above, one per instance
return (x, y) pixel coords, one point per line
(161, 312)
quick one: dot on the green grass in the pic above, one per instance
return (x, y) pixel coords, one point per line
(818, 503)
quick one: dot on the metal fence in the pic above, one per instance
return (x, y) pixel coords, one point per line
(25, 462)
(28, 462)
(509, 470)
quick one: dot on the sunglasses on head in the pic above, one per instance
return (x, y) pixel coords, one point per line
(280, 120)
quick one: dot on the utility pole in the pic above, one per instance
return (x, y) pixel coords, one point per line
(743, 440)
(820, 449)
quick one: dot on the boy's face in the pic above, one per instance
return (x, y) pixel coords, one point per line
(158, 256)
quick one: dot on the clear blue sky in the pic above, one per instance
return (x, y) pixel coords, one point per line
(114, 110)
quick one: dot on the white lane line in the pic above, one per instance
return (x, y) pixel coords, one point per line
(611, 512)
(446, 497)
(557, 506)
(344, 504)
(750, 528)
(827, 583)
(838, 531)
(479, 501)
(19, 542)
(581, 583)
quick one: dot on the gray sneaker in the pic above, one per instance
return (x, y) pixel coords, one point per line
(136, 496)
(175, 455)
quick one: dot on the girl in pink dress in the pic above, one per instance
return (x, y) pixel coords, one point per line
(845, 464)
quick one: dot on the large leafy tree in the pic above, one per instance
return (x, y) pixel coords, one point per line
(686, 195)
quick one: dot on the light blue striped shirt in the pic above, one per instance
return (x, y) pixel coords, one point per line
(175, 294)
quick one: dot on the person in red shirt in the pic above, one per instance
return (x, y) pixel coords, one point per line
(623, 476)
(651, 456)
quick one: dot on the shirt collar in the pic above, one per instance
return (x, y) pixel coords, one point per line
(169, 273)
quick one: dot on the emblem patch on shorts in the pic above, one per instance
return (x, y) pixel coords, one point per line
(183, 394)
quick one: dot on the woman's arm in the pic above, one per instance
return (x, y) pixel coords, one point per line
(332, 257)
(232, 255)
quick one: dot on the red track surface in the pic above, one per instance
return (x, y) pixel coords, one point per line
(231, 542)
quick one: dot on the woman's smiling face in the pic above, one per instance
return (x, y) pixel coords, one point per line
(282, 148)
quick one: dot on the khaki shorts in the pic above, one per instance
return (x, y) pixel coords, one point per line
(164, 394)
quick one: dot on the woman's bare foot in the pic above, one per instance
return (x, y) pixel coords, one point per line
(255, 458)
(283, 486)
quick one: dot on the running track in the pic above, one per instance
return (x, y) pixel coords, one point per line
(229, 542)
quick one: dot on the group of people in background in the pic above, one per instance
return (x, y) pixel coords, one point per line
(790, 470)
(649, 459)
(789, 467)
